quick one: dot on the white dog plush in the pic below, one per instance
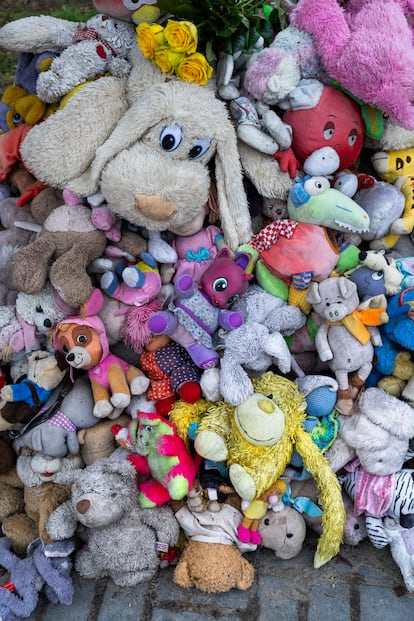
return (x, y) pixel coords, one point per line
(98, 48)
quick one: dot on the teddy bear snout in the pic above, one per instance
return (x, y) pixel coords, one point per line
(83, 506)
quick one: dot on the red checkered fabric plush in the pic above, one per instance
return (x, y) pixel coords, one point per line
(271, 233)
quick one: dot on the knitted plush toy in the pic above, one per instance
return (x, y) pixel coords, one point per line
(83, 341)
(347, 337)
(198, 311)
(160, 453)
(257, 440)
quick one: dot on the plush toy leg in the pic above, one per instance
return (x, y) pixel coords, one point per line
(137, 381)
(54, 566)
(152, 494)
(344, 403)
(356, 383)
(21, 530)
(202, 356)
(189, 392)
(31, 281)
(121, 396)
(24, 576)
(103, 407)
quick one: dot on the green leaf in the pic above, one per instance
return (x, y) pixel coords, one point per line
(239, 40)
(266, 31)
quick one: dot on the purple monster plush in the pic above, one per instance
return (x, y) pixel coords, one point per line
(198, 310)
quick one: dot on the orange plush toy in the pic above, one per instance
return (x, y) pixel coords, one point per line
(82, 338)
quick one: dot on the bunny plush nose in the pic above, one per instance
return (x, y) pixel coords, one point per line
(154, 206)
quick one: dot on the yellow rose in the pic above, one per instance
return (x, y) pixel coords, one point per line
(149, 38)
(182, 36)
(167, 59)
(195, 68)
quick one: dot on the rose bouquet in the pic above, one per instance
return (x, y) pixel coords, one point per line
(230, 26)
(173, 48)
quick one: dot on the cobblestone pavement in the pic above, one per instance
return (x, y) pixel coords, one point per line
(360, 584)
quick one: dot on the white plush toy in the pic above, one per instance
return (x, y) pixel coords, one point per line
(100, 47)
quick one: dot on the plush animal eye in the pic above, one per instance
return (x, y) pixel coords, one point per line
(171, 137)
(16, 119)
(39, 309)
(147, 428)
(65, 349)
(352, 138)
(82, 339)
(377, 275)
(266, 521)
(328, 130)
(316, 185)
(220, 284)
(199, 148)
(131, 4)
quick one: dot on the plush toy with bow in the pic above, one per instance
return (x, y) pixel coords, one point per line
(84, 342)
(101, 46)
(347, 337)
(198, 311)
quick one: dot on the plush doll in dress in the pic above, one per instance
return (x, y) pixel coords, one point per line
(198, 311)
(172, 373)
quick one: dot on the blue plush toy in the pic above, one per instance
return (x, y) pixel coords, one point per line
(322, 421)
(393, 365)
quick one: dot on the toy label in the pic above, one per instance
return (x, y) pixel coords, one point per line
(161, 547)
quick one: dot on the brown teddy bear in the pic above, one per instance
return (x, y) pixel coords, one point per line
(42, 494)
(212, 561)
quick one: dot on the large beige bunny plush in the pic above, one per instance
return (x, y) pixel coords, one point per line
(148, 143)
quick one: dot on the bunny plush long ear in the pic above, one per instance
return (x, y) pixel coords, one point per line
(34, 34)
(63, 146)
(232, 199)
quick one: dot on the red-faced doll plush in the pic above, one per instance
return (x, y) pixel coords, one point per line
(335, 121)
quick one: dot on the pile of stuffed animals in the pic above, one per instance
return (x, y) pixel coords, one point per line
(206, 300)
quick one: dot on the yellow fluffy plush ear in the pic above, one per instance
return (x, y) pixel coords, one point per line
(333, 516)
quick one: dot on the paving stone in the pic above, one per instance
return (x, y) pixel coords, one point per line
(159, 614)
(128, 602)
(384, 604)
(275, 600)
(168, 591)
(329, 601)
(81, 606)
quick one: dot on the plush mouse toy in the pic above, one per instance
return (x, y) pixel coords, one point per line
(198, 311)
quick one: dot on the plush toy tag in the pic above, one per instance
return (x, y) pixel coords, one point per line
(161, 547)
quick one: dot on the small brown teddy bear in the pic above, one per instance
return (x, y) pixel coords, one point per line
(212, 561)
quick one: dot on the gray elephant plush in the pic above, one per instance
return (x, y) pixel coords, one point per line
(57, 436)
(121, 537)
(347, 336)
